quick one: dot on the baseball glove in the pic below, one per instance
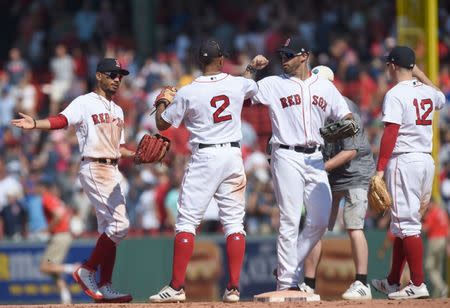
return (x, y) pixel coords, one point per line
(378, 196)
(338, 130)
(166, 96)
(151, 148)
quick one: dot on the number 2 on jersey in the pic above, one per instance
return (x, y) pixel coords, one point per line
(216, 115)
(425, 105)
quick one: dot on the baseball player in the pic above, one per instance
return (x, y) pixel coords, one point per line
(210, 108)
(406, 163)
(350, 166)
(299, 105)
(100, 132)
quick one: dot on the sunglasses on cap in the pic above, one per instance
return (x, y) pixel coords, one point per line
(113, 75)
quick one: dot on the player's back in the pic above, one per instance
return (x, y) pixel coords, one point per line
(212, 107)
(418, 102)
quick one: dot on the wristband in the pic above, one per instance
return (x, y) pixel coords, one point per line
(34, 121)
(251, 69)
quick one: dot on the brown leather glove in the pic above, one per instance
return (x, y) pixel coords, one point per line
(378, 196)
(151, 148)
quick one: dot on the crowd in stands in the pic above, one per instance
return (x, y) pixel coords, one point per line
(53, 58)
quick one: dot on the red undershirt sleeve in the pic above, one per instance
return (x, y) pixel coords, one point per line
(58, 122)
(387, 144)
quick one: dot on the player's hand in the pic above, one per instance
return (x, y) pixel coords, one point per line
(259, 62)
(417, 72)
(26, 122)
(380, 174)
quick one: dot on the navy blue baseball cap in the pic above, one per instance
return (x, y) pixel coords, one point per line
(111, 65)
(402, 56)
(209, 50)
(295, 45)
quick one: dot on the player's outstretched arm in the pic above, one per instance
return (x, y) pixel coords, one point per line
(258, 63)
(28, 122)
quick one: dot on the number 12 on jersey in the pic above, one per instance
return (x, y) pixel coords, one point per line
(423, 110)
(220, 108)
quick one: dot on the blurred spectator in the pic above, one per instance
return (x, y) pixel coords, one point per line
(8, 186)
(83, 219)
(62, 68)
(58, 224)
(435, 225)
(25, 95)
(262, 213)
(13, 218)
(32, 202)
(7, 107)
(16, 67)
(146, 208)
(85, 21)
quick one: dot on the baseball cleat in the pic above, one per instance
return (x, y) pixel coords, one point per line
(383, 286)
(231, 295)
(357, 291)
(112, 296)
(86, 279)
(305, 288)
(168, 295)
(410, 292)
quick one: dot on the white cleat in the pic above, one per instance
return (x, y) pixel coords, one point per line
(383, 286)
(168, 295)
(86, 279)
(231, 296)
(357, 291)
(410, 292)
(305, 288)
(112, 296)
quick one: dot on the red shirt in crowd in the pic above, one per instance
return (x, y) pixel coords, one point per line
(435, 223)
(51, 205)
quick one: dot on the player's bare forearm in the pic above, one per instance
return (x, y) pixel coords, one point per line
(423, 78)
(28, 122)
(124, 152)
(160, 123)
(340, 159)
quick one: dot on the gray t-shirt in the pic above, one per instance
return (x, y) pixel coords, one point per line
(359, 170)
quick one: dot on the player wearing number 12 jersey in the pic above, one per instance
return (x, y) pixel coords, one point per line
(406, 163)
(211, 110)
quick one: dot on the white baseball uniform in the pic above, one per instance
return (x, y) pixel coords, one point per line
(100, 131)
(211, 110)
(410, 170)
(297, 110)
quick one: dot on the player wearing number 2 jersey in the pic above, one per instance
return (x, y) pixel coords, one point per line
(211, 110)
(406, 163)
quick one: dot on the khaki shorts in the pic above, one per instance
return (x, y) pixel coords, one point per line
(57, 248)
(355, 208)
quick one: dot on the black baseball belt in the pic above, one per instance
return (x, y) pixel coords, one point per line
(217, 145)
(101, 160)
(301, 149)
